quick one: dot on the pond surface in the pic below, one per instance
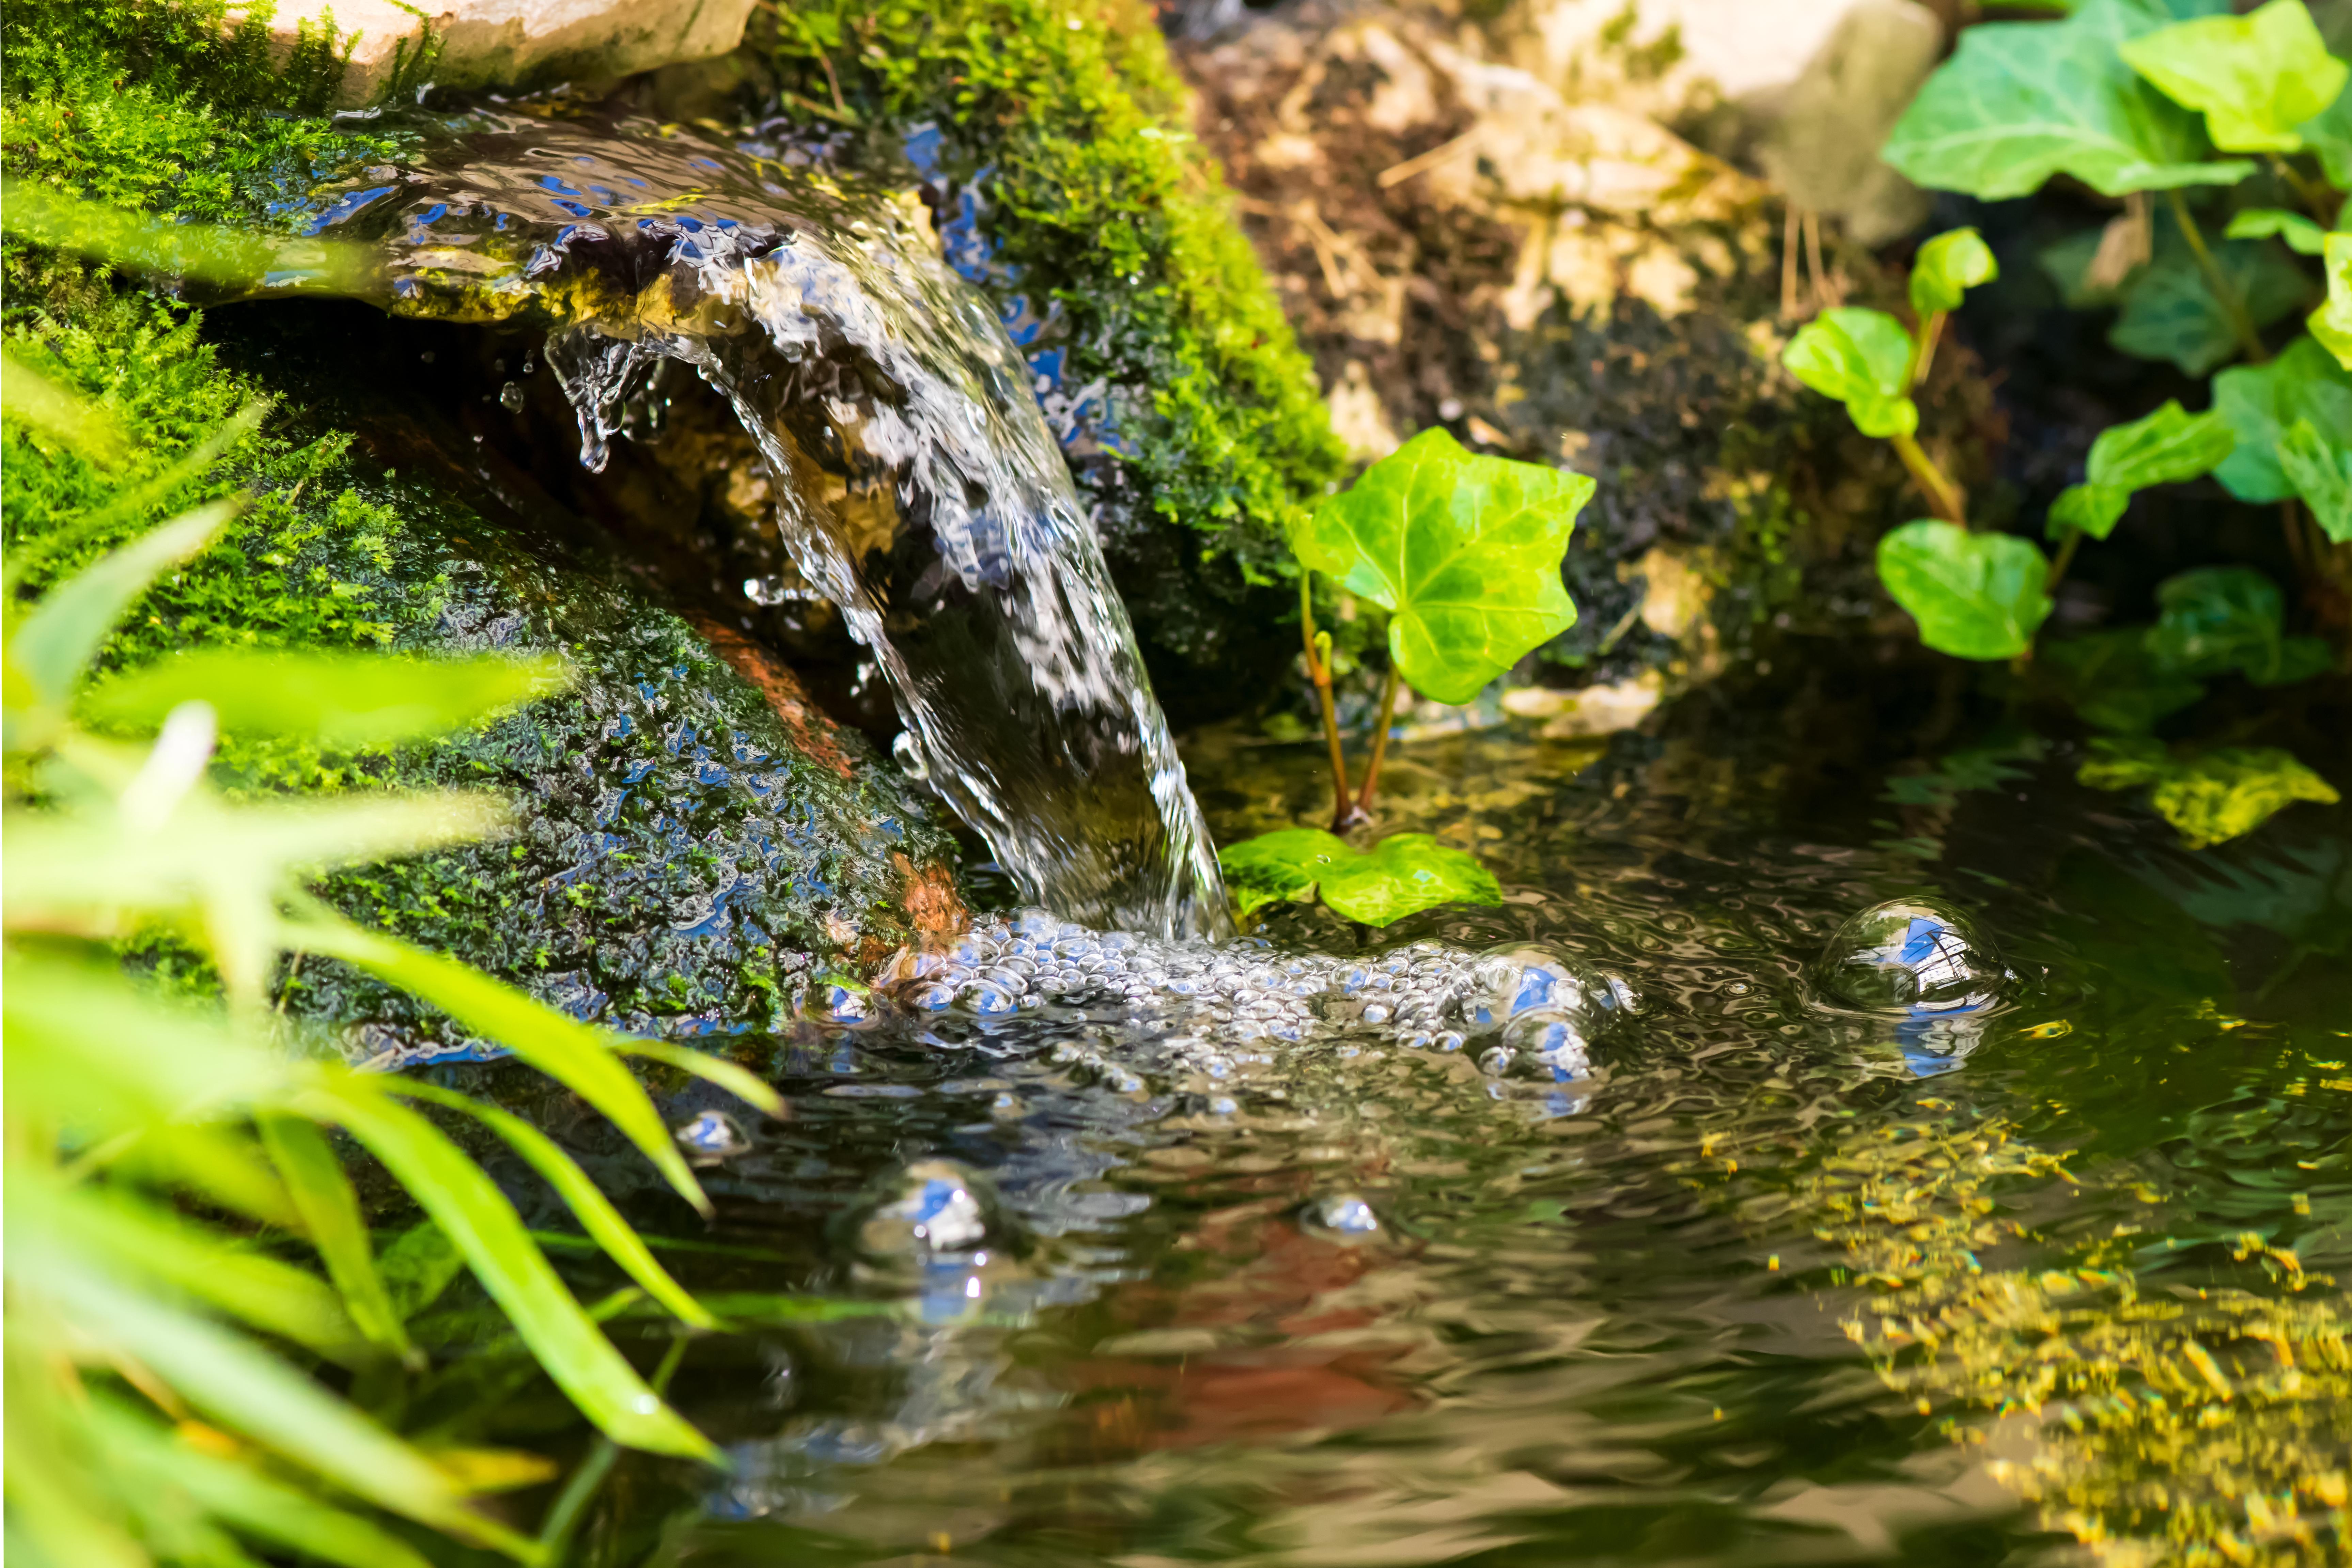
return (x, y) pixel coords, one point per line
(1751, 1276)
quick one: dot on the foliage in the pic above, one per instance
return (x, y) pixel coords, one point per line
(2215, 620)
(1863, 359)
(2167, 447)
(1400, 876)
(2255, 78)
(2331, 324)
(2209, 796)
(1975, 595)
(2261, 402)
(1462, 550)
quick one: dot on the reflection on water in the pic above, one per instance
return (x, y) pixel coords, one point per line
(1837, 1199)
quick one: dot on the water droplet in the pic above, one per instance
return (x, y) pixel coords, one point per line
(713, 1135)
(1342, 1215)
(936, 1206)
(510, 397)
(1907, 957)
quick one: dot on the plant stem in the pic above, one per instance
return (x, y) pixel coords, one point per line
(563, 1517)
(1923, 351)
(1941, 493)
(2065, 558)
(2312, 193)
(1380, 745)
(2241, 326)
(1319, 670)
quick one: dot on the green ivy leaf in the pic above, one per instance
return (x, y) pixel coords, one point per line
(2112, 681)
(1400, 876)
(2299, 235)
(2255, 78)
(2328, 135)
(1863, 359)
(2222, 618)
(2331, 324)
(2210, 797)
(2169, 311)
(2303, 381)
(2020, 101)
(2321, 472)
(1975, 595)
(1287, 863)
(1463, 551)
(2165, 448)
(2067, 263)
(1946, 267)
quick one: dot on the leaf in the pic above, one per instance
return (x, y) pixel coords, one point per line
(340, 700)
(48, 650)
(563, 1048)
(1463, 552)
(2321, 472)
(1976, 596)
(236, 260)
(2112, 681)
(331, 1214)
(2303, 381)
(2164, 448)
(478, 1217)
(1287, 863)
(2328, 135)
(2256, 77)
(1863, 359)
(63, 415)
(1405, 874)
(745, 1085)
(1946, 267)
(2020, 101)
(2210, 797)
(2223, 618)
(594, 1211)
(2068, 264)
(2169, 311)
(417, 1267)
(2331, 324)
(2302, 235)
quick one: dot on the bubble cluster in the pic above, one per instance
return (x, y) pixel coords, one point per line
(1216, 1007)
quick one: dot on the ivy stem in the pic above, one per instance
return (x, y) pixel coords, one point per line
(1319, 670)
(1380, 745)
(1923, 352)
(2241, 325)
(2312, 193)
(1941, 493)
(2065, 558)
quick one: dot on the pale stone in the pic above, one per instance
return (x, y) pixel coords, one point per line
(510, 43)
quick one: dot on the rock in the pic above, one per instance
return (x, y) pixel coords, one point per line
(1821, 137)
(394, 47)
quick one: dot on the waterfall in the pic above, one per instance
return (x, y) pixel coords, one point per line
(919, 489)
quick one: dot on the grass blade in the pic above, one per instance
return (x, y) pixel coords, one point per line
(50, 647)
(737, 1081)
(573, 1054)
(331, 1215)
(597, 1217)
(468, 1206)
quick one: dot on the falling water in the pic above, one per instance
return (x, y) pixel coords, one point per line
(920, 487)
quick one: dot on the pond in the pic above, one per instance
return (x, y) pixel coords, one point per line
(1753, 1273)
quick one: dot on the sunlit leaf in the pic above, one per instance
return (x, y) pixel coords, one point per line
(1975, 595)
(232, 261)
(1463, 551)
(2208, 796)
(2321, 472)
(2300, 234)
(2255, 78)
(2302, 382)
(717, 1071)
(563, 1048)
(1946, 267)
(59, 413)
(483, 1225)
(1863, 359)
(588, 1205)
(1399, 876)
(2164, 448)
(2020, 101)
(331, 1215)
(2331, 324)
(337, 699)
(2169, 311)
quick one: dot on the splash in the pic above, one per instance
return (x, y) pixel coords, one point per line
(919, 489)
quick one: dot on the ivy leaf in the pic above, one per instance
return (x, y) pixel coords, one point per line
(2210, 797)
(1946, 267)
(1463, 552)
(2328, 135)
(1400, 876)
(2020, 101)
(2168, 446)
(2300, 234)
(2112, 681)
(2222, 618)
(2169, 311)
(1976, 596)
(2304, 382)
(1403, 876)
(2332, 322)
(1287, 863)
(2256, 77)
(1863, 359)
(2321, 472)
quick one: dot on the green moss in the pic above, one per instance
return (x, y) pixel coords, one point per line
(1071, 126)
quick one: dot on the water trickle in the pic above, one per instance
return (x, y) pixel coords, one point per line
(918, 486)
